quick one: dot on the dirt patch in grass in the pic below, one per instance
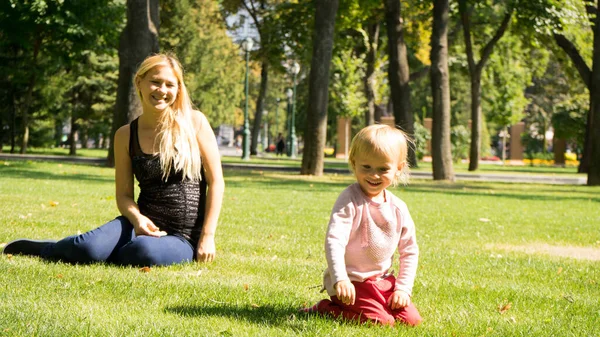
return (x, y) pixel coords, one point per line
(580, 253)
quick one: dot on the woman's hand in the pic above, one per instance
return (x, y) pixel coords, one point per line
(345, 292)
(145, 226)
(206, 249)
(399, 299)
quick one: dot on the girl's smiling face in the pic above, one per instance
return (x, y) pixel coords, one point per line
(158, 88)
(374, 173)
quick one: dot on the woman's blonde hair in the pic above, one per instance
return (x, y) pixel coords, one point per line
(178, 144)
(383, 140)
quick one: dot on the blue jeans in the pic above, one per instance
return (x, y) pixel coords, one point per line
(116, 242)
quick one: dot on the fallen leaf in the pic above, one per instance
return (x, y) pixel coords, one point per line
(145, 269)
(504, 308)
(255, 305)
(9, 256)
(59, 276)
(560, 269)
(484, 220)
(53, 203)
(199, 272)
(569, 298)
(246, 286)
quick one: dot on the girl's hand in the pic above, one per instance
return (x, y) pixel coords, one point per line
(206, 249)
(345, 292)
(145, 226)
(399, 299)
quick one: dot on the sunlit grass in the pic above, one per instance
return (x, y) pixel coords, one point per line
(270, 260)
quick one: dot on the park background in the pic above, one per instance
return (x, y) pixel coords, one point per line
(498, 258)
(469, 80)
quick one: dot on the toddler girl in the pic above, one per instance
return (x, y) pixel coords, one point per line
(368, 223)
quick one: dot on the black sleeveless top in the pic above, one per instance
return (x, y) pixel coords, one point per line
(176, 206)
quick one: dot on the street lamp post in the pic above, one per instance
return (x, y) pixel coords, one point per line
(294, 141)
(289, 93)
(246, 46)
(276, 118)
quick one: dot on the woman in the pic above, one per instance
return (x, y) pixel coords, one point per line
(172, 151)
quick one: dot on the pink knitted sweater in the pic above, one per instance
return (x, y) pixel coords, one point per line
(363, 236)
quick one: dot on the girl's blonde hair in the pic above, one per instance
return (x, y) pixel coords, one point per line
(178, 144)
(383, 140)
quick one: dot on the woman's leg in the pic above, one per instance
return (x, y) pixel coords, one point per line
(155, 251)
(96, 245)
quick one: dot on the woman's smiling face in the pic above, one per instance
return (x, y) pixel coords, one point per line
(158, 88)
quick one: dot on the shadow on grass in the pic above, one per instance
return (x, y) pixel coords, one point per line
(27, 172)
(245, 179)
(241, 178)
(529, 169)
(264, 314)
(489, 191)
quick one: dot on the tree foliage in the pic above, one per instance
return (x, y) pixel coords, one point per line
(40, 39)
(196, 32)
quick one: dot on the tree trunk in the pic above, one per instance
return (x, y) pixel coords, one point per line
(83, 136)
(373, 43)
(399, 73)
(594, 127)
(586, 75)
(138, 40)
(13, 122)
(72, 144)
(29, 96)
(475, 146)
(440, 89)
(260, 106)
(475, 70)
(318, 87)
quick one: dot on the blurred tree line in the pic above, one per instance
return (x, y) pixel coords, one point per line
(486, 62)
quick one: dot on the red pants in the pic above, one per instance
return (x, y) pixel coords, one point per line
(371, 304)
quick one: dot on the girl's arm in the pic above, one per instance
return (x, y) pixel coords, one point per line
(211, 160)
(338, 234)
(409, 253)
(124, 187)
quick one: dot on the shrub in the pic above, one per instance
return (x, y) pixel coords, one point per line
(460, 138)
(421, 137)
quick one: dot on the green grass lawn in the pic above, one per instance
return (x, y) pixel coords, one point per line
(482, 248)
